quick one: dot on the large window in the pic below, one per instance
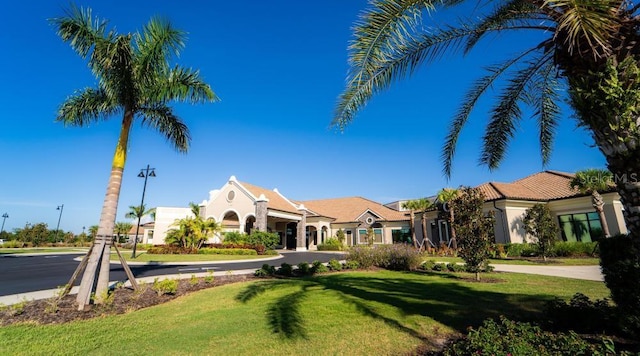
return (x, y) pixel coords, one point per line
(401, 236)
(377, 233)
(584, 227)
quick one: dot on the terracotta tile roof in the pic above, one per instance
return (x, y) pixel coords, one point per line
(543, 186)
(349, 209)
(276, 201)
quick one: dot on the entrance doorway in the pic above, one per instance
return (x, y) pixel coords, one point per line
(291, 234)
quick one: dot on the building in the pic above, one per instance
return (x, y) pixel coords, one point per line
(302, 225)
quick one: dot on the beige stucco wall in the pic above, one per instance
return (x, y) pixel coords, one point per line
(165, 217)
(387, 228)
(219, 204)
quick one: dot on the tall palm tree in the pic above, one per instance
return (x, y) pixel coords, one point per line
(93, 232)
(445, 196)
(593, 181)
(122, 228)
(422, 204)
(136, 81)
(138, 212)
(588, 49)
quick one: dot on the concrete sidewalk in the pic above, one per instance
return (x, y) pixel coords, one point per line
(591, 273)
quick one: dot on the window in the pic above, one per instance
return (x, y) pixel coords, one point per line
(401, 236)
(377, 233)
(584, 227)
(231, 195)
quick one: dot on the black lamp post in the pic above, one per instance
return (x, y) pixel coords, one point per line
(4, 218)
(144, 173)
(61, 208)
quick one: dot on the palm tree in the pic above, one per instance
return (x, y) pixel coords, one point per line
(122, 228)
(138, 212)
(422, 204)
(136, 81)
(592, 181)
(445, 196)
(192, 232)
(93, 232)
(588, 49)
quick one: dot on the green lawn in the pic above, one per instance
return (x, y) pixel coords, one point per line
(586, 261)
(145, 257)
(9, 251)
(358, 313)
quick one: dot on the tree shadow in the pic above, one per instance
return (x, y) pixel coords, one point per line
(449, 301)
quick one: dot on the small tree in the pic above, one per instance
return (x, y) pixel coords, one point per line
(371, 236)
(340, 236)
(475, 229)
(539, 223)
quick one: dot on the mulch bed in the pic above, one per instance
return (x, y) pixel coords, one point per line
(123, 300)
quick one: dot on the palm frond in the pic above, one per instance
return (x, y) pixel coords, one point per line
(85, 107)
(507, 113)
(80, 29)
(513, 12)
(544, 90)
(470, 100)
(162, 119)
(182, 84)
(586, 26)
(157, 42)
(402, 62)
(111, 62)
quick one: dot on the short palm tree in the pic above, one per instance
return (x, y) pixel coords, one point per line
(587, 50)
(445, 196)
(121, 229)
(138, 212)
(422, 204)
(136, 82)
(593, 181)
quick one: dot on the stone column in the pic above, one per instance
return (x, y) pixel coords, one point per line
(261, 213)
(301, 243)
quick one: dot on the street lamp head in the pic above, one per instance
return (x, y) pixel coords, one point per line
(152, 174)
(141, 174)
(5, 215)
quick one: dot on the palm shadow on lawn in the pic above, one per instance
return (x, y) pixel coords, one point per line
(454, 304)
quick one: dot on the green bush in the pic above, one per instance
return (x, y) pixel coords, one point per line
(271, 252)
(285, 270)
(304, 269)
(365, 256)
(574, 249)
(12, 244)
(351, 265)
(440, 267)
(398, 257)
(227, 251)
(515, 338)
(454, 267)
(171, 250)
(620, 262)
(428, 265)
(166, 286)
(582, 315)
(265, 271)
(318, 267)
(334, 265)
(234, 237)
(331, 244)
(267, 239)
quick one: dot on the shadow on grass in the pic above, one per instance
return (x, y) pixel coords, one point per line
(448, 300)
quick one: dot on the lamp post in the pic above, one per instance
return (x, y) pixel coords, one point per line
(4, 218)
(144, 173)
(61, 208)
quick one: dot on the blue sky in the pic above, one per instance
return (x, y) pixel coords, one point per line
(279, 67)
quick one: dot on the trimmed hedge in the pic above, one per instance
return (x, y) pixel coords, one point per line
(397, 257)
(559, 249)
(331, 244)
(227, 251)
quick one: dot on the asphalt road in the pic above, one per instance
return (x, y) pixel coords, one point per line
(21, 274)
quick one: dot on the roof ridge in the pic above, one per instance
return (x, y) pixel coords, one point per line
(493, 185)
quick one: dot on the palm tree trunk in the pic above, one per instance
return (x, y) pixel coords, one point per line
(107, 222)
(424, 229)
(454, 241)
(598, 204)
(626, 174)
(413, 229)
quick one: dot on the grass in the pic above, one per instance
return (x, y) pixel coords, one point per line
(358, 313)
(532, 261)
(10, 251)
(145, 257)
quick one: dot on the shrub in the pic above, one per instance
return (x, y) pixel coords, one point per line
(318, 267)
(398, 257)
(516, 338)
(439, 267)
(454, 267)
(351, 265)
(171, 250)
(620, 262)
(166, 286)
(227, 251)
(574, 249)
(303, 268)
(271, 252)
(428, 265)
(265, 271)
(234, 237)
(267, 239)
(285, 270)
(334, 265)
(539, 223)
(209, 278)
(581, 315)
(331, 244)
(364, 256)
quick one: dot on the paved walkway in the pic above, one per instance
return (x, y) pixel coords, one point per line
(591, 273)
